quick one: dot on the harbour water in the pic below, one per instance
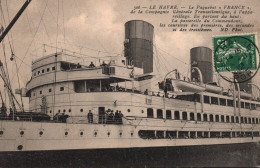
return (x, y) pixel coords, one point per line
(236, 155)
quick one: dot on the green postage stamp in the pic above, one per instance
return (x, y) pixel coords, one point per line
(235, 53)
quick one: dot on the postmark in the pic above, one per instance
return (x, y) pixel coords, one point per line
(236, 57)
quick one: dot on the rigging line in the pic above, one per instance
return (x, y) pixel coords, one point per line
(92, 49)
(8, 78)
(19, 85)
(174, 56)
(73, 52)
(33, 36)
(30, 28)
(57, 32)
(9, 22)
(64, 32)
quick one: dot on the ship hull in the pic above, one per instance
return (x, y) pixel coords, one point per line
(25, 136)
(245, 155)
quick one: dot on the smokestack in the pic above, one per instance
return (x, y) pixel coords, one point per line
(139, 44)
(201, 57)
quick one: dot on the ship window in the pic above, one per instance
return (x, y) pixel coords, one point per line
(112, 70)
(242, 104)
(205, 117)
(150, 113)
(247, 105)
(226, 134)
(171, 134)
(232, 119)
(206, 134)
(249, 120)
(222, 118)
(217, 118)
(53, 68)
(199, 135)
(230, 103)
(206, 99)
(42, 70)
(211, 118)
(160, 134)
(227, 119)
(192, 134)
(40, 92)
(159, 113)
(192, 116)
(176, 115)
(214, 134)
(198, 117)
(79, 86)
(168, 114)
(50, 90)
(61, 88)
(183, 134)
(253, 107)
(242, 119)
(237, 120)
(223, 102)
(48, 69)
(214, 100)
(146, 134)
(245, 120)
(184, 115)
(196, 97)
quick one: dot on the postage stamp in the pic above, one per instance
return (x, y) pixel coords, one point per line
(235, 54)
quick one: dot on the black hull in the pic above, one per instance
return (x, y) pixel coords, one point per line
(235, 155)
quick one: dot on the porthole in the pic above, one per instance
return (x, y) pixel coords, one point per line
(128, 110)
(22, 133)
(41, 133)
(66, 133)
(1, 132)
(58, 111)
(81, 110)
(64, 110)
(81, 133)
(20, 147)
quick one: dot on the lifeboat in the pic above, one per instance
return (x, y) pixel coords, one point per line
(245, 95)
(213, 88)
(188, 86)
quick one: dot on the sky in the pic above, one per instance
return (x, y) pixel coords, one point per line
(96, 28)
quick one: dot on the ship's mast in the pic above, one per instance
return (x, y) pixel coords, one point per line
(2, 71)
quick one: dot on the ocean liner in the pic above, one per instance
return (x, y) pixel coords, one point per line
(120, 103)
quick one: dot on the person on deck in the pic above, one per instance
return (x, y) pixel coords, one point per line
(120, 116)
(90, 117)
(91, 65)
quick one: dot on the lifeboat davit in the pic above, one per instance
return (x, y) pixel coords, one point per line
(188, 86)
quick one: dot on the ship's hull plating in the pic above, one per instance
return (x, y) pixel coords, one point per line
(35, 136)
